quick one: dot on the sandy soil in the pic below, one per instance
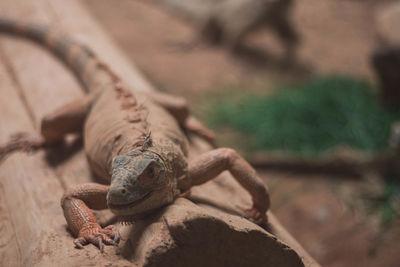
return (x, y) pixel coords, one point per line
(337, 37)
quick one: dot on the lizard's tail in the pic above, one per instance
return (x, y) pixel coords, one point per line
(79, 58)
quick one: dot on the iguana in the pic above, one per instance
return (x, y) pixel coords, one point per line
(134, 141)
(230, 22)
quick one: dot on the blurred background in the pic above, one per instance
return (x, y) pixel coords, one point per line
(307, 90)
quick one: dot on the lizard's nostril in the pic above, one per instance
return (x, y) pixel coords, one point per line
(123, 191)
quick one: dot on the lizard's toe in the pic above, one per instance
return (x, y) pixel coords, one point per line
(112, 232)
(80, 242)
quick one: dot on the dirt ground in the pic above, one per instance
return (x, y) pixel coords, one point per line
(337, 37)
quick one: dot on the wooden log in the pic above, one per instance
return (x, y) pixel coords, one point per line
(33, 229)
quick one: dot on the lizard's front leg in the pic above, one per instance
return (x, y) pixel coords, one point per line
(212, 163)
(76, 204)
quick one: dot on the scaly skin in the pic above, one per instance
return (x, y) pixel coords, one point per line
(134, 142)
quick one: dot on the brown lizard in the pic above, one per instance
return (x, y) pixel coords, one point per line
(135, 142)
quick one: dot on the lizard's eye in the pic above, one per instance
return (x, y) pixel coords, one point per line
(151, 172)
(150, 175)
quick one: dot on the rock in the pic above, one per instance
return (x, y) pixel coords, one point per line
(200, 236)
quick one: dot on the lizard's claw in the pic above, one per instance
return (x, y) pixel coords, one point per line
(256, 216)
(98, 236)
(116, 238)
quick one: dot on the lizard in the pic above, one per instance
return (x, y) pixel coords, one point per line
(230, 22)
(134, 141)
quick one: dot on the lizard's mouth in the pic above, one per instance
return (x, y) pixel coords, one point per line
(130, 204)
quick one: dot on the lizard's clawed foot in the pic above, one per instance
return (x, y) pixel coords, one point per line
(98, 236)
(22, 142)
(26, 142)
(256, 216)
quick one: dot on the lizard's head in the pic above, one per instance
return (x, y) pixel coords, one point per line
(140, 183)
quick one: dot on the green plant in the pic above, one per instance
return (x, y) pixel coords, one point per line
(309, 118)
